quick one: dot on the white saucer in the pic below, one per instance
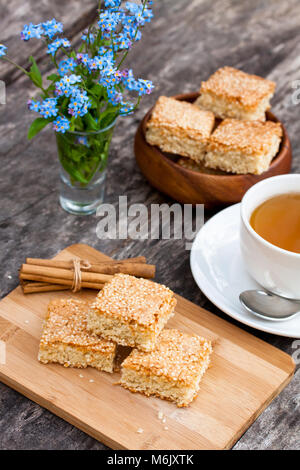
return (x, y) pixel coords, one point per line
(218, 269)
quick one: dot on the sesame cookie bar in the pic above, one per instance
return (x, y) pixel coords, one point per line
(243, 146)
(200, 167)
(179, 127)
(235, 94)
(131, 311)
(65, 339)
(173, 370)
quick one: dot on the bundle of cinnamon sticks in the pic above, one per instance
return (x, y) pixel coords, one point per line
(42, 275)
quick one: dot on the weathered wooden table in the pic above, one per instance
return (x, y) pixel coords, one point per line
(186, 42)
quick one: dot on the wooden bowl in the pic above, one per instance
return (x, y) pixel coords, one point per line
(209, 187)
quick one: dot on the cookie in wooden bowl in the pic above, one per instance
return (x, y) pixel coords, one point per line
(231, 93)
(180, 128)
(243, 146)
(200, 167)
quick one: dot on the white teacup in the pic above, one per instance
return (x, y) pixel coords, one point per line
(277, 270)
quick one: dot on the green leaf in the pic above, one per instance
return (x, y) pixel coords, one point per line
(75, 155)
(73, 172)
(37, 125)
(96, 90)
(50, 88)
(64, 105)
(94, 103)
(53, 77)
(106, 118)
(35, 73)
(90, 123)
(79, 124)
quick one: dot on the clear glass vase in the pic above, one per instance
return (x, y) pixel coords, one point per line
(83, 157)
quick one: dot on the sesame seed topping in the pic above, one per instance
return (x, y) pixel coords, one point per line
(134, 300)
(178, 357)
(140, 430)
(255, 136)
(174, 114)
(66, 323)
(160, 415)
(234, 84)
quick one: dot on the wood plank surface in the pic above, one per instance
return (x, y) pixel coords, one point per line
(246, 374)
(75, 15)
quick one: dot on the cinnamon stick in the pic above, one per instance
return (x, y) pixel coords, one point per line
(42, 275)
(69, 264)
(64, 282)
(135, 269)
(62, 274)
(34, 287)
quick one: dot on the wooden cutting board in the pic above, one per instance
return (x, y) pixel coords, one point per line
(245, 376)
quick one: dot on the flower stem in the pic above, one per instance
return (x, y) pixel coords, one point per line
(133, 109)
(136, 33)
(89, 91)
(26, 73)
(16, 65)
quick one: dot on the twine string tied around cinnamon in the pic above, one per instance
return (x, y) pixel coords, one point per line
(78, 266)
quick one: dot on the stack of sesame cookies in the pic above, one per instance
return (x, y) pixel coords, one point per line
(226, 127)
(131, 312)
(164, 362)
